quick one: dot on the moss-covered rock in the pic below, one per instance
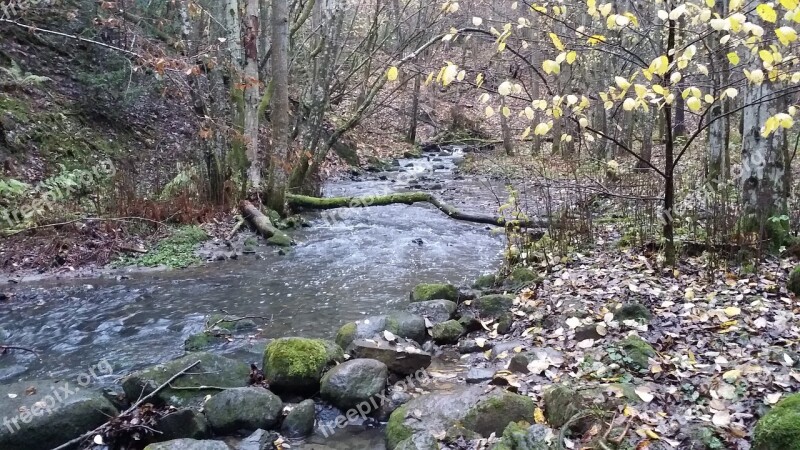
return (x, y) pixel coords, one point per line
(280, 240)
(493, 414)
(447, 332)
(794, 282)
(779, 429)
(563, 401)
(485, 281)
(420, 441)
(522, 276)
(201, 341)
(633, 311)
(523, 436)
(396, 429)
(297, 364)
(346, 335)
(635, 352)
(213, 370)
(434, 291)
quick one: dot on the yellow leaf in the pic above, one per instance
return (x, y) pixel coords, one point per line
(596, 39)
(708, 99)
(556, 42)
(489, 111)
(461, 75)
(732, 311)
(767, 12)
(786, 35)
(731, 375)
(571, 57)
(551, 66)
(538, 416)
(505, 88)
(529, 113)
(479, 80)
(391, 74)
(694, 104)
(790, 4)
(766, 56)
(525, 133)
(506, 111)
(658, 89)
(629, 104)
(733, 57)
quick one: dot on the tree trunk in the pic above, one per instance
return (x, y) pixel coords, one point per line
(280, 106)
(411, 136)
(251, 92)
(717, 170)
(763, 164)
(508, 143)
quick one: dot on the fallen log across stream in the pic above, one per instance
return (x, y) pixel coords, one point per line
(407, 198)
(259, 221)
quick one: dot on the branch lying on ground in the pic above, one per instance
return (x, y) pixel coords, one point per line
(407, 198)
(4, 348)
(128, 411)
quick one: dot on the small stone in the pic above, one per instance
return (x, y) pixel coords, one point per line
(300, 420)
(447, 332)
(518, 364)
(478, 375)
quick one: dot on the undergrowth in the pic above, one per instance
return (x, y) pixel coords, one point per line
(176, 251)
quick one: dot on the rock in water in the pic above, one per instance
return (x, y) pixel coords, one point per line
(361, 329)
(437, 311)
(45, 414)
(248, 408)
(518, 437)
(213, 370)
(434, 291)
(188, 444)
(354, 382)
(477, 410)
(300, 420)
(403, 358)
(296, 364)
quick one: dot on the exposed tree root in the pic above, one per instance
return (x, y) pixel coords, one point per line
(407, 198)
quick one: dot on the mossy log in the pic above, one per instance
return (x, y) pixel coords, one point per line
(407, 198)
(258, 220)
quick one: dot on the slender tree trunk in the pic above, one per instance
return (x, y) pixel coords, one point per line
(251, 92)
(508, 143)
(719, 128)
(280, 106)
(411, 136)
(667, 214)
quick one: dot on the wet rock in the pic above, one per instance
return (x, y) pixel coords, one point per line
(477, 410)
(247, 408)
(519, 363)
(485, 281)
(182, 424)
(447, 332)
(436, 311)
(280, 240)
(434, 291)
(353, 382)
(508, 347)
(403, 358)
(779, 429)
(471, 346)
(479, 375)
(396, 399)
(300, 420)
(407, 325)
(522, 436)
(213, 370)
(520, 277)
(259, 440)
(296, 364)
(633, 311)
(361, 329)
(188, 444)
(45, 414)
(421, 441)
(492, 306)
(201, 341)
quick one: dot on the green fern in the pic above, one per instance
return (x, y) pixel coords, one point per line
(19, 78)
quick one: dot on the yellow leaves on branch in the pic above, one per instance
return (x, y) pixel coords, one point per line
(557, 42)
(767, 12)
(778, 121)
(392, 73)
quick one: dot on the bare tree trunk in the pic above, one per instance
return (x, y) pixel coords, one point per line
(508, 143)
(646, 154)
(411, 136)
(719, 128)
(251, 92)
(763, 164)
(279, 117)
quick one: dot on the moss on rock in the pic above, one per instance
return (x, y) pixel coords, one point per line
(794, 281)
(485, 281)
(346, 335)
(447, 332)
(636, 352)
(434, 291)
(297, 363)
(779, 429)
(632, 311)
(493, 414)
(493, 306)
(396, 430)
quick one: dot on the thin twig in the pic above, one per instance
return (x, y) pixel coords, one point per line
(199, 388)
(127, 411)
(4, 347)
(70, 36)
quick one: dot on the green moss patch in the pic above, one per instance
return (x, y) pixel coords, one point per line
(176, 251)
(779, 429)
(434, 291)
(794, 281)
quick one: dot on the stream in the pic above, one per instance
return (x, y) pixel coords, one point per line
(350, 263)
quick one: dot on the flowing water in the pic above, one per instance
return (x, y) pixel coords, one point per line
(350, 263)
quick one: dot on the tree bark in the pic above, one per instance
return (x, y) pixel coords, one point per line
(250, 41)
(279, 117)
